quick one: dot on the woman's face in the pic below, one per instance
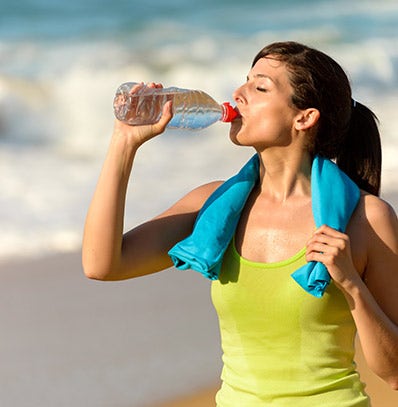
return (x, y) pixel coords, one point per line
(267, 115)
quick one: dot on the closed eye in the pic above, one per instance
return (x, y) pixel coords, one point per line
(261, 89)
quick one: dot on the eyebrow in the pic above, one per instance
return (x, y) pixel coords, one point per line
(261, 75)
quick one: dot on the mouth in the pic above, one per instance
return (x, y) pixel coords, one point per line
(238, 115)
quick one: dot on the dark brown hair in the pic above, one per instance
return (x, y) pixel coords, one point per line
(347, 131)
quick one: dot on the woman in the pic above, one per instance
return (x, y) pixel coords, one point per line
(281, 345)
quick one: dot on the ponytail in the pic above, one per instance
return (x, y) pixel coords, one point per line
(360, 153)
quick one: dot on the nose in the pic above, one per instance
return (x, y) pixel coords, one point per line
(238, 95)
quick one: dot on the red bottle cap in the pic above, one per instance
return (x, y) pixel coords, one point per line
(229, 113)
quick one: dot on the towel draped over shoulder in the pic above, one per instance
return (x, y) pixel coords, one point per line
(334, 197)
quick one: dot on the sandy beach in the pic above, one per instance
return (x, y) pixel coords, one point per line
(69, 341)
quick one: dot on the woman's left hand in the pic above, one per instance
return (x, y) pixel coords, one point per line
(333, 249)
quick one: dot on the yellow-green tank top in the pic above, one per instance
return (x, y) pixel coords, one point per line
(282, 347)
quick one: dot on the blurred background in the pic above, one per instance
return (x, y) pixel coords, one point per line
(69, 341)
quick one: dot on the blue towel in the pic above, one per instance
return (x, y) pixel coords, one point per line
(334, 198)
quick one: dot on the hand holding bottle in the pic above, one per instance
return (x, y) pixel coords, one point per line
(138, 134)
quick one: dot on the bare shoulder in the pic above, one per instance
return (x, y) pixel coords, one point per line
(376, 206)
(373, 230)
(194, 200)
(375, 227)
(380, 217)
(202, 193)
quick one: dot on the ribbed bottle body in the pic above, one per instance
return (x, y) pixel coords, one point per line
(192, 109)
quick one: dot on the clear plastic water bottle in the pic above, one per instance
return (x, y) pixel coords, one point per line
(192, 109)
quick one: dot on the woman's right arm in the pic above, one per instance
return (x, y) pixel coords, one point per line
(107, 253)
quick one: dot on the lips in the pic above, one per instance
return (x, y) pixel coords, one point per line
(238, 115)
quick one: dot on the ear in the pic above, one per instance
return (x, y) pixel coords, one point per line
(307, 119)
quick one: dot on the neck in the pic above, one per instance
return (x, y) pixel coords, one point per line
(284, 175)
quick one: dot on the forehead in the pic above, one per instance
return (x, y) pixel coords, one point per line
(270, 68)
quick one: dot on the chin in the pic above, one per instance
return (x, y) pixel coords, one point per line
(233, 137)
(235, 132)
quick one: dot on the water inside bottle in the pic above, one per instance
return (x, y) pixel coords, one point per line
(140, 109)
(194, 110)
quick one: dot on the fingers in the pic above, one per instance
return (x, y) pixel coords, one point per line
(142, 86)
(327, 230)
(154, 85)
(321, 239)
(326, 236)
(167, 114)
(137, 87)
(326, 244)
(333, 249)
(141, 133)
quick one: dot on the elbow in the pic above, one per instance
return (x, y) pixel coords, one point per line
(390, 379)
(388, 375)
(393, 383)
(94, 271)
(93, 275)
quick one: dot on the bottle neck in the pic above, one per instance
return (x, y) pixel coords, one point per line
(228, 113)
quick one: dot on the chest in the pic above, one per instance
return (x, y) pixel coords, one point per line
(269, 232)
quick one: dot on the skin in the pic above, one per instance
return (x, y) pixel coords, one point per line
(363, 262)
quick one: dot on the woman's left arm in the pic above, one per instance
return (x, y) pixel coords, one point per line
(372, 297)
